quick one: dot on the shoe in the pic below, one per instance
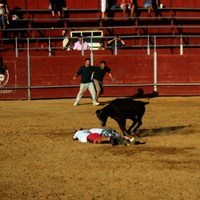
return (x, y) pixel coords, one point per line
(76, 104)
(95, 103)
(132, 139)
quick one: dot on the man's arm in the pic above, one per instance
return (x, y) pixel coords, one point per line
(6, 9)
(122, 41)
(111, 76)
(74, 77)
(86, 46)
(110, 41)
(75, 46)
(77, 73)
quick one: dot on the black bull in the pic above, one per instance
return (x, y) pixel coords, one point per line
(122, 109)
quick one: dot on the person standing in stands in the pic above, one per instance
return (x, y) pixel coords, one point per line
(3, 67)
(103, 8)
(86, 72)
(4, 12)
(99, 75)
(80, 44)
(155, 6)
(129, 5)
(152, 5)
(56, 5)
(115, 44)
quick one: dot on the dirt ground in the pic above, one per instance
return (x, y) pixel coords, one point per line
(39, 159)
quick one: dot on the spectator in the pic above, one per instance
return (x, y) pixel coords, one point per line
(101, 47)
(80, 44)
(16, 14)
(99, 75)
(101, 44)
(103, 8)
(86, 72)
(129, 5)
(3, 67)
(66, 42)
(152, 5)
(115, 43)
(17, 23)
(56, 5)
(3, 72)
(4, 12)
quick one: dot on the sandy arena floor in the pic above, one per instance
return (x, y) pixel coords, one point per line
(39, 159)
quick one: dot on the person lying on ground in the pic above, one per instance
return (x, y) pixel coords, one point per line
(99, 135)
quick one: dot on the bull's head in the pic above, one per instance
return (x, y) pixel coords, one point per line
(102, 117)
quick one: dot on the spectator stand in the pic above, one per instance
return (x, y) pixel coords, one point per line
(39, 24)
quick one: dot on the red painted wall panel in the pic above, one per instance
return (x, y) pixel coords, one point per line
(177, 68)
(60, 70)
(179, 90)
(17, 77)
(131, 70)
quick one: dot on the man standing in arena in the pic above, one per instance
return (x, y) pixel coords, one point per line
(99, 75)
(86, 72)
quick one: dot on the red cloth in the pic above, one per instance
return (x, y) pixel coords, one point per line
(93, 137)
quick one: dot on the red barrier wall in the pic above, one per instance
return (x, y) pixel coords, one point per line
(51, 77)
(55, 73)
(17, 77)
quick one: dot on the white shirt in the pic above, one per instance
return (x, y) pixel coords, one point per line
(79, 46)
(81, 135)
(96, 130)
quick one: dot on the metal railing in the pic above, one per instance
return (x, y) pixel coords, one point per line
(152, 43)
(181, 42)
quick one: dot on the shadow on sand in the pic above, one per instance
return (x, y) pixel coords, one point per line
(159, 131)
(139, 95)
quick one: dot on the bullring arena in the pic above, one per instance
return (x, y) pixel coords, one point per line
(39, 159)
(159, 63)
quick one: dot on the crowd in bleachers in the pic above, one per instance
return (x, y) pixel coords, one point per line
(128, 7)
(20, 24)
(24, 23)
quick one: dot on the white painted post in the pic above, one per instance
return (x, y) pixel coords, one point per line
(181, 45)
(49, 46)
(115, 52)
(16, 47)
(91, 52)
(28, 70)
(82, 50)
(148, 46)
(155, 67)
